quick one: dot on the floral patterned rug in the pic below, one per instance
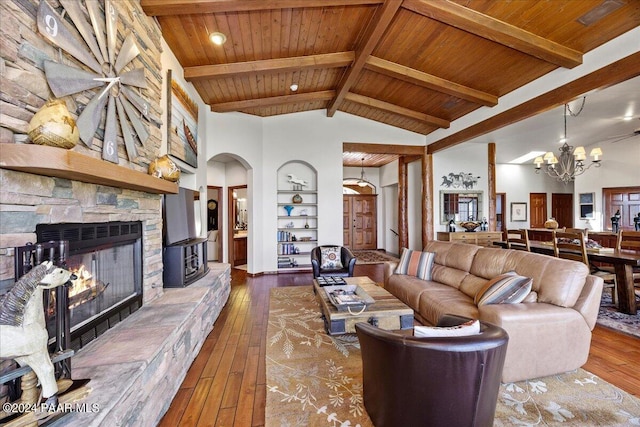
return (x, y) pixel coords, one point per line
(610, 317)
(314, 379)
(373, 257)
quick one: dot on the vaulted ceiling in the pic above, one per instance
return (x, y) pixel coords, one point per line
(414, 64)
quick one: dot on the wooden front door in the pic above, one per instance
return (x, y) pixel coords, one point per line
(359, 221)
(537, 209)
(562, 209)
(625, 199)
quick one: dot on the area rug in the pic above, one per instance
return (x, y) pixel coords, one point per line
(314, 379)
(610, 317)
(373, 257)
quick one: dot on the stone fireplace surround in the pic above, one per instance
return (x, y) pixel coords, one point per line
(137, 367)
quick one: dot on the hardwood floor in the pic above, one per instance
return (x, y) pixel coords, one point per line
(225, 385)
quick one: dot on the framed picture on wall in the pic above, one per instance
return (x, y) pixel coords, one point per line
(518, 211)
(587, 205)
(182, 123)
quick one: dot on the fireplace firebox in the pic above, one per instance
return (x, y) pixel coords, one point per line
(107, 260)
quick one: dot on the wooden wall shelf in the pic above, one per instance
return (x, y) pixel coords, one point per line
(61, 163)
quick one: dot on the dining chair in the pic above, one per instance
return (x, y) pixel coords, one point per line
(571, 245)
(518, 239)
(629, 240)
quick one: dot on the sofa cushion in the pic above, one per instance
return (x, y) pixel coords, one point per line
(472, 327)
(437, 299)
(330, 258)
(406, 288)
(455, 255)
(415, 263)
(507, 288)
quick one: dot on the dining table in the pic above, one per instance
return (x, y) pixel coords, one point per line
(623, 262)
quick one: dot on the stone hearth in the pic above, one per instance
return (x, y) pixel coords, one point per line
(137, 367)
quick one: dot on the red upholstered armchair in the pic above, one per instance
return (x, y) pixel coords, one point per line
(412, 381)
(347, 259)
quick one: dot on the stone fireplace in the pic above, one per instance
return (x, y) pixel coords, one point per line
(136, 367)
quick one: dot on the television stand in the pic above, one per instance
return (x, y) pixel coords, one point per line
(184, 262)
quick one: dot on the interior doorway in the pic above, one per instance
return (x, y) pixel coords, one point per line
(214, 219)
(501, 215)
(238, 225)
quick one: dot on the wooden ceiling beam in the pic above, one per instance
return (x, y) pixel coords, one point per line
(375, 31)
(495, 30)
(395, 109)
(192, 7)
(429, 81)
(225, 107)
(609, 75)
(402, 150)
(326, 60)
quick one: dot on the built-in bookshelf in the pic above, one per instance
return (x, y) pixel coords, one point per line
(297, 208)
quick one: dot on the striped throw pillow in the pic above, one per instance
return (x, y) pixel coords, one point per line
(416, 263)
(507, 288)
(472, 327)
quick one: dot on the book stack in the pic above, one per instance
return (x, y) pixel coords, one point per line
(284, 261)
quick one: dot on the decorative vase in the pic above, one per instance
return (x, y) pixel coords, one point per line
(551, 224)
(470, 226)
(288, 208)
(165, 168)
(53, 125)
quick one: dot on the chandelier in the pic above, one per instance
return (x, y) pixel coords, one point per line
(571, 162)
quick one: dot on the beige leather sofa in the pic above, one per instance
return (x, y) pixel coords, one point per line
(550, 335)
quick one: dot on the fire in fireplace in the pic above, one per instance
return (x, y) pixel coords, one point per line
(107, 260)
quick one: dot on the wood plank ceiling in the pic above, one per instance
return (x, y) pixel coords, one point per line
(414, 64)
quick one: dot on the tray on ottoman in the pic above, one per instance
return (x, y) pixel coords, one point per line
(386, 311)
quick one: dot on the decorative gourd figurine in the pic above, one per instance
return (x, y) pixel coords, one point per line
(53, 125)
(165, 168)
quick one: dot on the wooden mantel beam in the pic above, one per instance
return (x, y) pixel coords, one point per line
(392, 108)
(326, 60)
(495, 30)
(224, 107)
(375, 31)
(191, 7)
(429, 81)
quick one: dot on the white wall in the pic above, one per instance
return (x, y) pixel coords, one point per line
(620, 168)
(267, 143)
(517, 181)
(192, 178)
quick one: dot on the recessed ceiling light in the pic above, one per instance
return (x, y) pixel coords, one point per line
(600, 11)
(217, 38)
(529, 156)
(293, 87)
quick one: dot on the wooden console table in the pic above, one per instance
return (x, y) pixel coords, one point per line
(480, 238)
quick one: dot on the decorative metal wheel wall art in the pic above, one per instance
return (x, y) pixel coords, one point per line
(100, 54)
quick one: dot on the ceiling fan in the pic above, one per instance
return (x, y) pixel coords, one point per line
(618, 138)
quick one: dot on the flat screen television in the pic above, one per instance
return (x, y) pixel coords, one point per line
(179, 220)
